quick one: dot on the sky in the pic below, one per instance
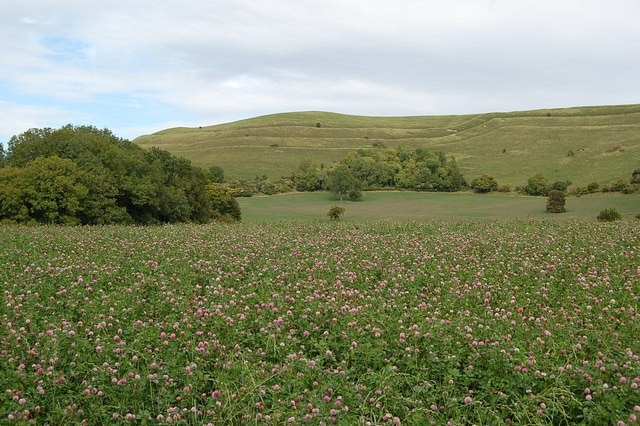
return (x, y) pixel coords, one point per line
(140, 66)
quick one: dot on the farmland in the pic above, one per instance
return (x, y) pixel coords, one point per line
(395, 322)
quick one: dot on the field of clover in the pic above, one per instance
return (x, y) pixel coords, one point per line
(470, 322)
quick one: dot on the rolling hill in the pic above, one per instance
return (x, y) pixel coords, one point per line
(583, 144)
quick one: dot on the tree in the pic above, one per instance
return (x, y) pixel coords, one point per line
(224, 203)
(485, 183)
(307, 177)
(216, 174)
(556, 202)
(47, 190)
(342, 182)
(537, 185)
(105, 179)
(335, 212)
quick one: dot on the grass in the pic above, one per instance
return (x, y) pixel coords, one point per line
(492, 321)
(426, 206)
(511, 146)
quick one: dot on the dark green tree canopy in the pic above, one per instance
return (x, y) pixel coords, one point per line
(556, 201)
(90, 176)
(537, 185)
(485, 183)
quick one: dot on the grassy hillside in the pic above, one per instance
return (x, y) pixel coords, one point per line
(585, 144)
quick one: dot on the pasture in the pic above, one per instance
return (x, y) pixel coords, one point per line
(485, 321)
(420, 206)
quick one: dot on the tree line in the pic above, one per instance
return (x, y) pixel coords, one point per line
(84, 175)
(416, 170)
(365, 170)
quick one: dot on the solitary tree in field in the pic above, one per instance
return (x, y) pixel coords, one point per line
(555, 202)
(335, 212)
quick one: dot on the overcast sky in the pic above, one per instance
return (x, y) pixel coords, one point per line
(139, 66)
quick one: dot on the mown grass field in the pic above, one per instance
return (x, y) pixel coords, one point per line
(490, 321)
(588, 144)
(420, 206)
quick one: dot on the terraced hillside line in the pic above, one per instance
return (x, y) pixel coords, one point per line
(604, 140)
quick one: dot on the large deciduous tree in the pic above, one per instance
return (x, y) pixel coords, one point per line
(90, 176)
(342, 182)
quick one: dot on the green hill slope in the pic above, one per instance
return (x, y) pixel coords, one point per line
(584, 144)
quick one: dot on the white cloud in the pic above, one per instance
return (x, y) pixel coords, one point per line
(16, 118)
(195, 60)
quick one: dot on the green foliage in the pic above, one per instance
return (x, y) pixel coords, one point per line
(335, 212)
(485, 183)
(556, 202)
(94, 177)
(561, 185)
(635, 177)
(609, 215)
(46, 190)
(342, 182)
(537, 185)
(224, 203)
(419, 170)
(216, 174)
(593, 187)
(307, 177)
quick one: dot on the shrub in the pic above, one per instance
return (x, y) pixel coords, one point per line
(335, 212)
(504, 188)
(555, 202)
(593, 187)
(609, 215)
(561, 185)
(483, 184)
(618, 186)
(537, 185)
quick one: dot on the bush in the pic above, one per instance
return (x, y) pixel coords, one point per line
(335, 212)
(618, 186)
(593, 187)
(561, 185)
(483, 184)
(555, 202)
(609, 215)
(537, 185)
